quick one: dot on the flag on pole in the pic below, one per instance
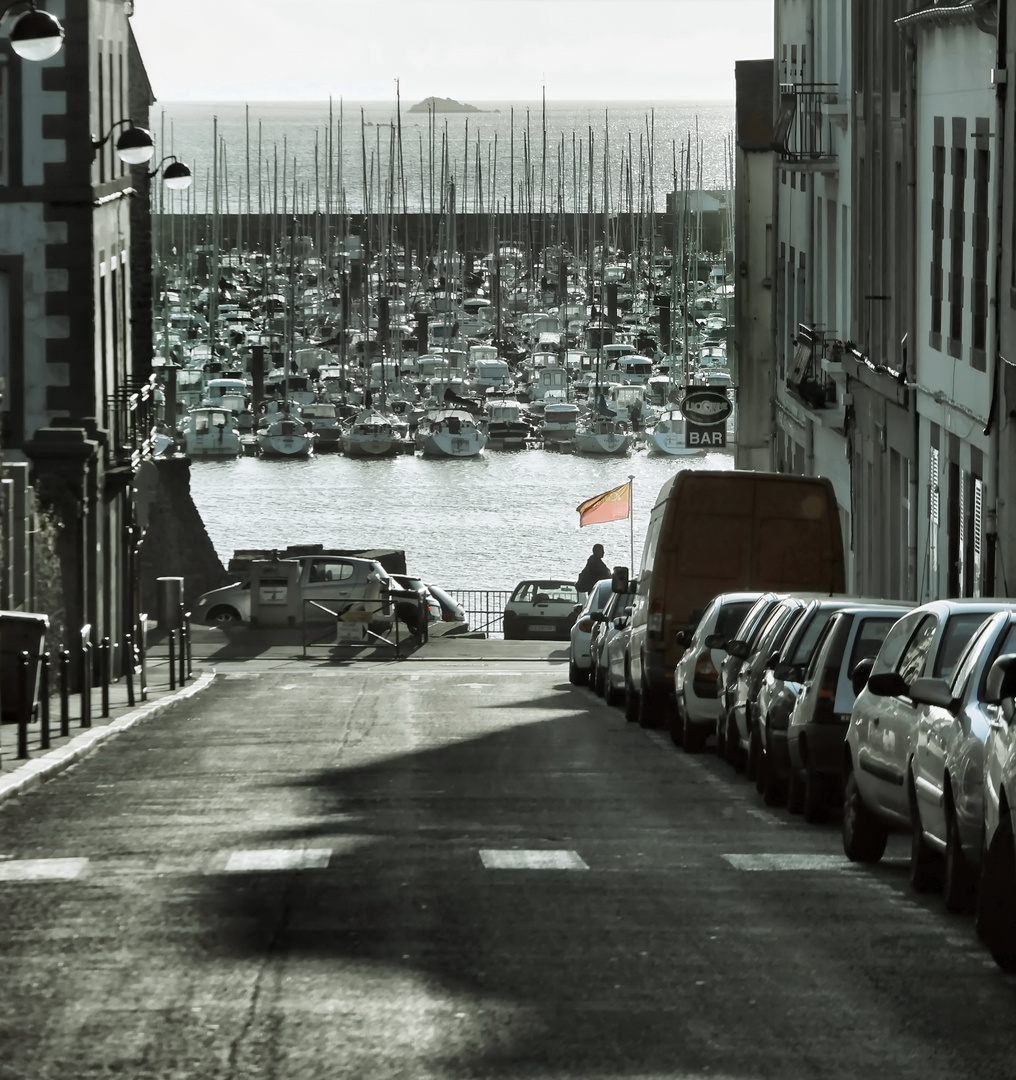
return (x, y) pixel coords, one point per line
(613, 505)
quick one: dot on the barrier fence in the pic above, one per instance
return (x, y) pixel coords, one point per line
(484, 608)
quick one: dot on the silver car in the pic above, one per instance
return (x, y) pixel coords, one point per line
(949, 760)
(878, 791)
(579, 664)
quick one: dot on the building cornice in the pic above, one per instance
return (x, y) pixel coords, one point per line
(973, 13)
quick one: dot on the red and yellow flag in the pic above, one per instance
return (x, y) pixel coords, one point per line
(613, 505)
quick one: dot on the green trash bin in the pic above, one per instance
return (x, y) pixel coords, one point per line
(20, 632)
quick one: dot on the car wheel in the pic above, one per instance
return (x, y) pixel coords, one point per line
(599, 687)
(610, 695)
(753, 766)
(648, 707)
(815, 803)
(577, 676)
(774, 791)
(796, 787)
(732, 746)
(996, 906)
(960, 885)
(693, 736)
(925, 861)
(864, 836)
(631, 699)
(721, 736)
(224, 616)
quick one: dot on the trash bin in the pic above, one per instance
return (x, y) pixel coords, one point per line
(169, 602)
(20, 632)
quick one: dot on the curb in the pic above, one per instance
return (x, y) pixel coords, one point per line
(35, 772)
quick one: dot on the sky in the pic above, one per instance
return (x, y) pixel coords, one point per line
(470, 50)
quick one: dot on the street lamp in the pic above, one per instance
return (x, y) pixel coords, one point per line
(35, 35)
(135, 145)
(176, 176)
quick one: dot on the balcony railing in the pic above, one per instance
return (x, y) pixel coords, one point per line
(130, 417)
(802, 133)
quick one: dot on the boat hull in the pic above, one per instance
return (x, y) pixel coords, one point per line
(613, 443)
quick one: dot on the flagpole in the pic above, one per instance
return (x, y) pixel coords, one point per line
(631, 521)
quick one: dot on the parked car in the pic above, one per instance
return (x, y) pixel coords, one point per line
(697, 674)
(334, 582)
(878, 790)
(451, 610)
(409, 610)
(996, 900)
(542, 609)
(821, 713)
(615, 618)
(615, 684)
(769, 641)
(746, 633)
(778, 693)
(582, 630)
(949, 760)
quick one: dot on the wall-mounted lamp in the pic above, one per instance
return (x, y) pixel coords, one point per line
(176, 176)
(35, 35)
(135, 145)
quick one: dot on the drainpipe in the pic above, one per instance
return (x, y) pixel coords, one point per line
(994, 19)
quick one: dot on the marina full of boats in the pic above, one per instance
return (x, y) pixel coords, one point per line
(451, 357)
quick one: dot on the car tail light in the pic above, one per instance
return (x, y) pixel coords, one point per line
(704, 667)
(826, 695)
(585, 624)
(654, 624)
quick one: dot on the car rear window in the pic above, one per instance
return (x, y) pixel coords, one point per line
(809, 637)
(730, 617)
(958, 631)
(871, 632)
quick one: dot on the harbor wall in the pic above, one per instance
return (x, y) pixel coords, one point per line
(421, 232)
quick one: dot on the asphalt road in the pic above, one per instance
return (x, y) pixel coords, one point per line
(458, 869)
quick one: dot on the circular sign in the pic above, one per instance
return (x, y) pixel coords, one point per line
(704, 406)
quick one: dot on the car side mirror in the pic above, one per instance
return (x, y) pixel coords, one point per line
(888, 684)
(931, 692)
(738, 648)
(715, 641)
(783, 671)
(681, 639)
(773, 660)
(1001, 681)
(859, 676)
(619, 579)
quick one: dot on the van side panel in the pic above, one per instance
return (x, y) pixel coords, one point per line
(724, 531)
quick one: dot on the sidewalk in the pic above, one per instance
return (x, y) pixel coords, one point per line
(20, 774)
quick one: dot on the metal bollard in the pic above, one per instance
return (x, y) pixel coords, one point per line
(183, 647)
(104, 674)
(128, 667)
(142, 657)
(65, 693)
(25, 712)
(86, 682)
(44, 740)
(171, 641)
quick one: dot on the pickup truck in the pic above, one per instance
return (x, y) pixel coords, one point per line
(337, 583)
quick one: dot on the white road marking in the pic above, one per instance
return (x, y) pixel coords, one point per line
(476, 685)
(278, 859)
(325, 674)
(531, 860)
(42, 869)
(790, 862)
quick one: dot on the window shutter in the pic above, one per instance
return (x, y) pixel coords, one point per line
(975, 538)
(933, 508)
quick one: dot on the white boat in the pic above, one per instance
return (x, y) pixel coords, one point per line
(371, 434)
(668, 436)
(603, 435)
(559, 422)
(210, 432)
(507, 429)
(449, 433)
(284, 435)
(325, 424)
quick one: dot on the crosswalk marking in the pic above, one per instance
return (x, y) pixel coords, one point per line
(278, 859)
(494, 859)
(789, 862)
(42, 869)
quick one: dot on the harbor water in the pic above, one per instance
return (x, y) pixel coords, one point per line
(481, 523)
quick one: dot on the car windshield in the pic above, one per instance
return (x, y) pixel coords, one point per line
(730, 617)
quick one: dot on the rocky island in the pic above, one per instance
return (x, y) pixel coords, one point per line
(442, 105)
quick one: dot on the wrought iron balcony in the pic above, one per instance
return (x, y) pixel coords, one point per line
(802, 132)
(131, 417)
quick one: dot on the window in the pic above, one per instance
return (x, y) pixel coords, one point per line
(937, 229)
(870, 635)
(958, 631)
(915, 656)
(957, 234)
(980, 230)
(971, 654)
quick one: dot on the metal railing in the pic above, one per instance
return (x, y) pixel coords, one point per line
(363, 625)
(63, 689)
(484, 608)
